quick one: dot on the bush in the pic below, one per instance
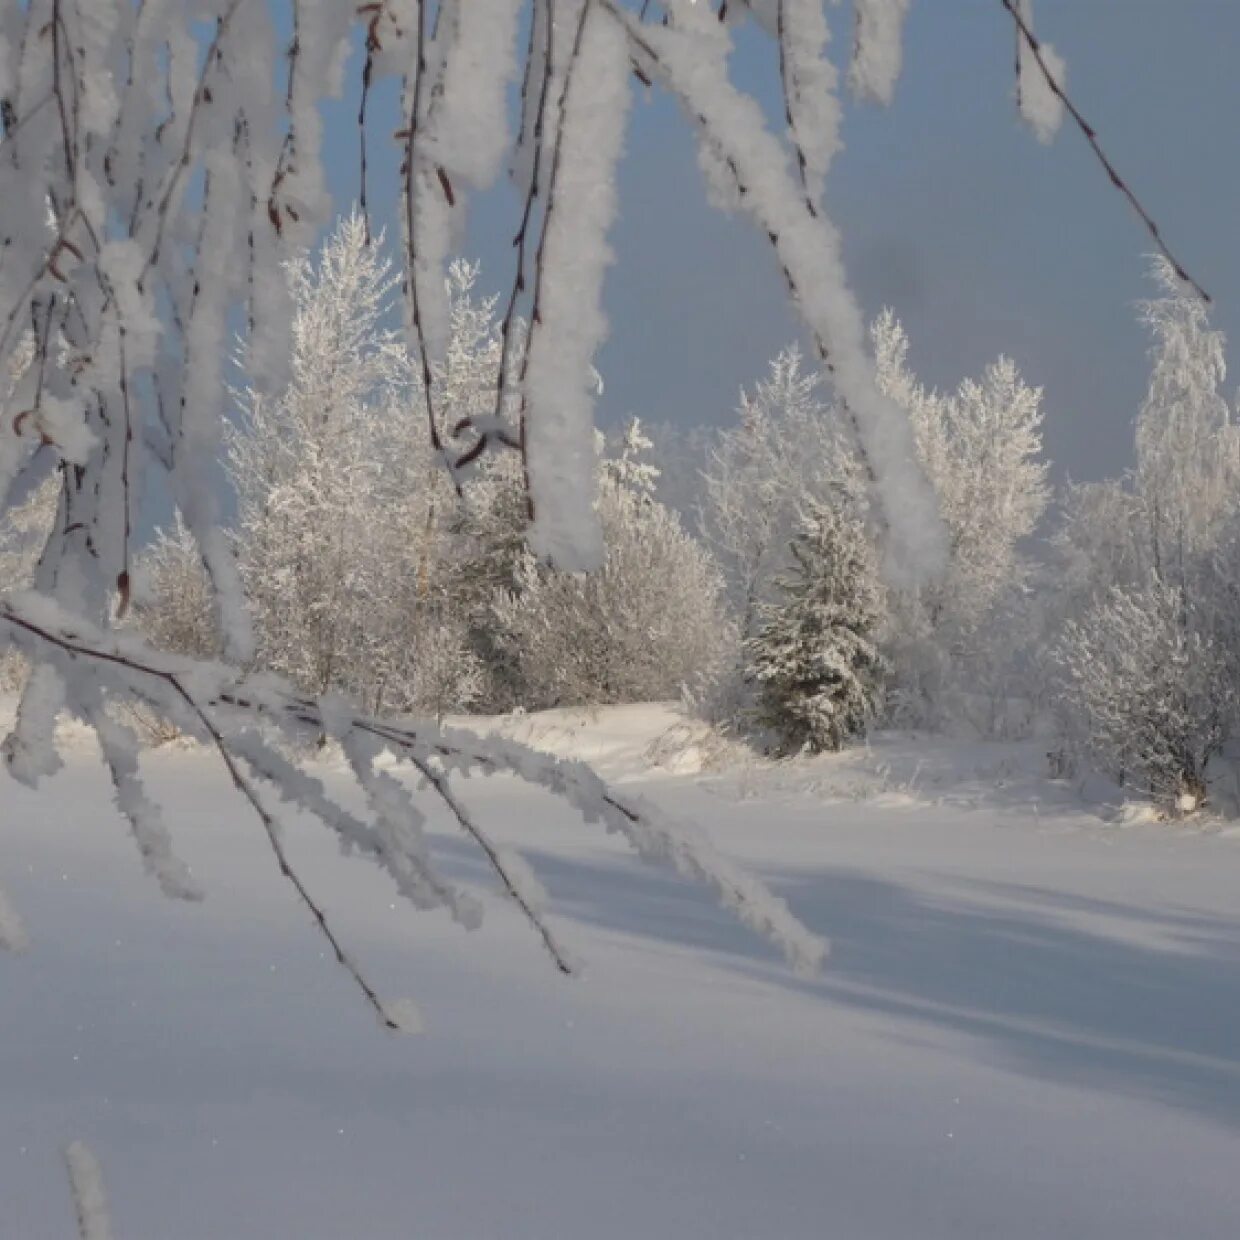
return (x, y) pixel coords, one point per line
(1146, 694)
(648, 623)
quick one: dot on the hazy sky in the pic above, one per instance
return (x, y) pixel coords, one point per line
(982, 240)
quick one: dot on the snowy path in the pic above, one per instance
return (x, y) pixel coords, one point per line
(1028, 1029)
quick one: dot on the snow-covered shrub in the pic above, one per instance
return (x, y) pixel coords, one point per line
(815, 656)
(641, 628)
(1147, 695)
(435, 669)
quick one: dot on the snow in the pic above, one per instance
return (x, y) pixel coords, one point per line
(470, 135)
(12, 930)
(1041, 108)
(694, 67)
(809, 82)
(86, 1183)
(877, 48)
(1026, 1027)
(570, 324)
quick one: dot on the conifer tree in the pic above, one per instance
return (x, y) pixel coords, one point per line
(815, 659)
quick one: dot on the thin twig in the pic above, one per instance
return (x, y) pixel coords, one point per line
(243, 785)
(412, 172)
(1091, 136)
(520, 241)
(548, 216)
(440, 784)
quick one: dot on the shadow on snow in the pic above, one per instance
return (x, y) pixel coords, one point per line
(1155, 1019)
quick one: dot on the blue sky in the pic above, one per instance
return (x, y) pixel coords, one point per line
(982, 240)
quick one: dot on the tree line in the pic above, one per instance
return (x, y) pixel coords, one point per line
(742, 570)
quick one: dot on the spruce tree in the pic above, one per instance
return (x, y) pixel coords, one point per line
(814, 660)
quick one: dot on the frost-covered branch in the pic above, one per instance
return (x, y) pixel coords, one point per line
(13, 936)
(187, 173)
(1042, 96)
(161, 168)
(518, 879)
(90, 1201)
(224, 709)
(691, 60)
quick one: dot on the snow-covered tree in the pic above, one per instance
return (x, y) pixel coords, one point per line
(642, 628)
(344, 512)
(1167, 518)
(172, 598)
(815, 656)
(787, 451)
(1150, 648)
(28, 520)
(1147, 694)
(310, 467)
(23, 534)
(981, 448)
(163, 162)
(1173, 516)
(683, 453)
(1188, 444)
(1100, 540)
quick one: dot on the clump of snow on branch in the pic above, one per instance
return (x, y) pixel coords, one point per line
(1041, 107)
(119, 746)
(29, 751)
(13, 936)
(809, 79)
(89, 1198)
(570, 324)
(404, 1016)
(470, 134)
(877, 48)
(457, 128)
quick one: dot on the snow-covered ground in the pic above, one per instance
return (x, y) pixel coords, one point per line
(1028, 1026)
